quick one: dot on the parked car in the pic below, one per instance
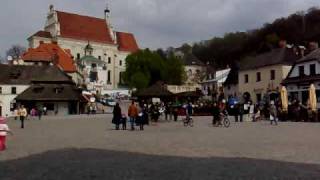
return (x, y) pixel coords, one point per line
(108, 102)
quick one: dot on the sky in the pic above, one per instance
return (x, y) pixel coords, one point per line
(155, 23)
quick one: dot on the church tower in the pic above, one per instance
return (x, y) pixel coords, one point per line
(107, 17)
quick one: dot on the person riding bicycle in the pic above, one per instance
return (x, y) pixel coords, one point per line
(223, 110)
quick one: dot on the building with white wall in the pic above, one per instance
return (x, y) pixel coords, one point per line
(306, 71)
(73, 32)
(17, 79)
(261, 75)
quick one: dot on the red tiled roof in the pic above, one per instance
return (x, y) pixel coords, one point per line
(51, 52)
(43, 34)
(83, 28)
(127, 42)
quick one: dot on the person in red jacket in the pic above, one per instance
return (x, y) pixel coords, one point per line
(132, 113)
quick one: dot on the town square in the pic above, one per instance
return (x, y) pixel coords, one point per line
(83, 146)
(160, 90)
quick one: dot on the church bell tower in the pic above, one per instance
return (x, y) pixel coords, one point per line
(107, 17)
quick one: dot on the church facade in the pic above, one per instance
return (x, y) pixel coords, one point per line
(74, 32)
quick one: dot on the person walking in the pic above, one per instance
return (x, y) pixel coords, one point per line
(141, 115)
(39, 113)
(23, 114)
(175, 114)
(189, 110)
(117, 115)
(44, 110)
(132, 113)
(4, 130)
(273, 113)
(166, 110)
(124, 122)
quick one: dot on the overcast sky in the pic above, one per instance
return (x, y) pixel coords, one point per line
(155, 23)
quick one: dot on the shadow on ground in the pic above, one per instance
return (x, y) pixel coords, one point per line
(83, 164)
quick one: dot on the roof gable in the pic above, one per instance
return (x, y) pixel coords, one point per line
(127, 42)
(51, 52)
(314, 55)
(83, 28)
(43, 34)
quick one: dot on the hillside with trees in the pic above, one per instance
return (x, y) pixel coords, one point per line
(298, 29)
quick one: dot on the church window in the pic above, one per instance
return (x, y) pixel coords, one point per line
(109, 76)
(13, 90)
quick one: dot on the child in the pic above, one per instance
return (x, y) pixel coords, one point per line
(124, 122)
(4, 130)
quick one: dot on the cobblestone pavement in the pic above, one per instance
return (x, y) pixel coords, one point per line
(245, 150)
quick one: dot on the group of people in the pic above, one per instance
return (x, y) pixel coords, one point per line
(22, 114)
(137, 116)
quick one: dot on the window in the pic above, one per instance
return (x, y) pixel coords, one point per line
(272, 75)
(301, 70)
(312, 69)
(0, 90)
(99, 57)
(109, 60)
(13, 90)
(246, 78)
(258, 76)
(58, 90)
(120, 62)
(120, 77)
(109, 77)
(78, 55)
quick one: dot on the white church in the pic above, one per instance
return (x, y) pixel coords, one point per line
(75, 32)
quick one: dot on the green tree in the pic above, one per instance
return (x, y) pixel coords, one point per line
(145, 68)
(139, 80)
(175, 72)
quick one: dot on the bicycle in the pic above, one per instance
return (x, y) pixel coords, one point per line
(225, 119)
(188, 121)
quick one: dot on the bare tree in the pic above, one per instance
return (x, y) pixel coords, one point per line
(16, 51)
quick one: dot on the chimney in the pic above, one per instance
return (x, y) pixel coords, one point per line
(302, 50)
(282, 44)
(313, 45)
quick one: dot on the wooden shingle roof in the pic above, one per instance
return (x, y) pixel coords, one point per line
(24, 75)
(50, 92)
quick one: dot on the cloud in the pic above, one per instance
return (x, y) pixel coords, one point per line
(155, 23)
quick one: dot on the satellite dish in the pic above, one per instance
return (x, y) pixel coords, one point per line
(9, 58)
